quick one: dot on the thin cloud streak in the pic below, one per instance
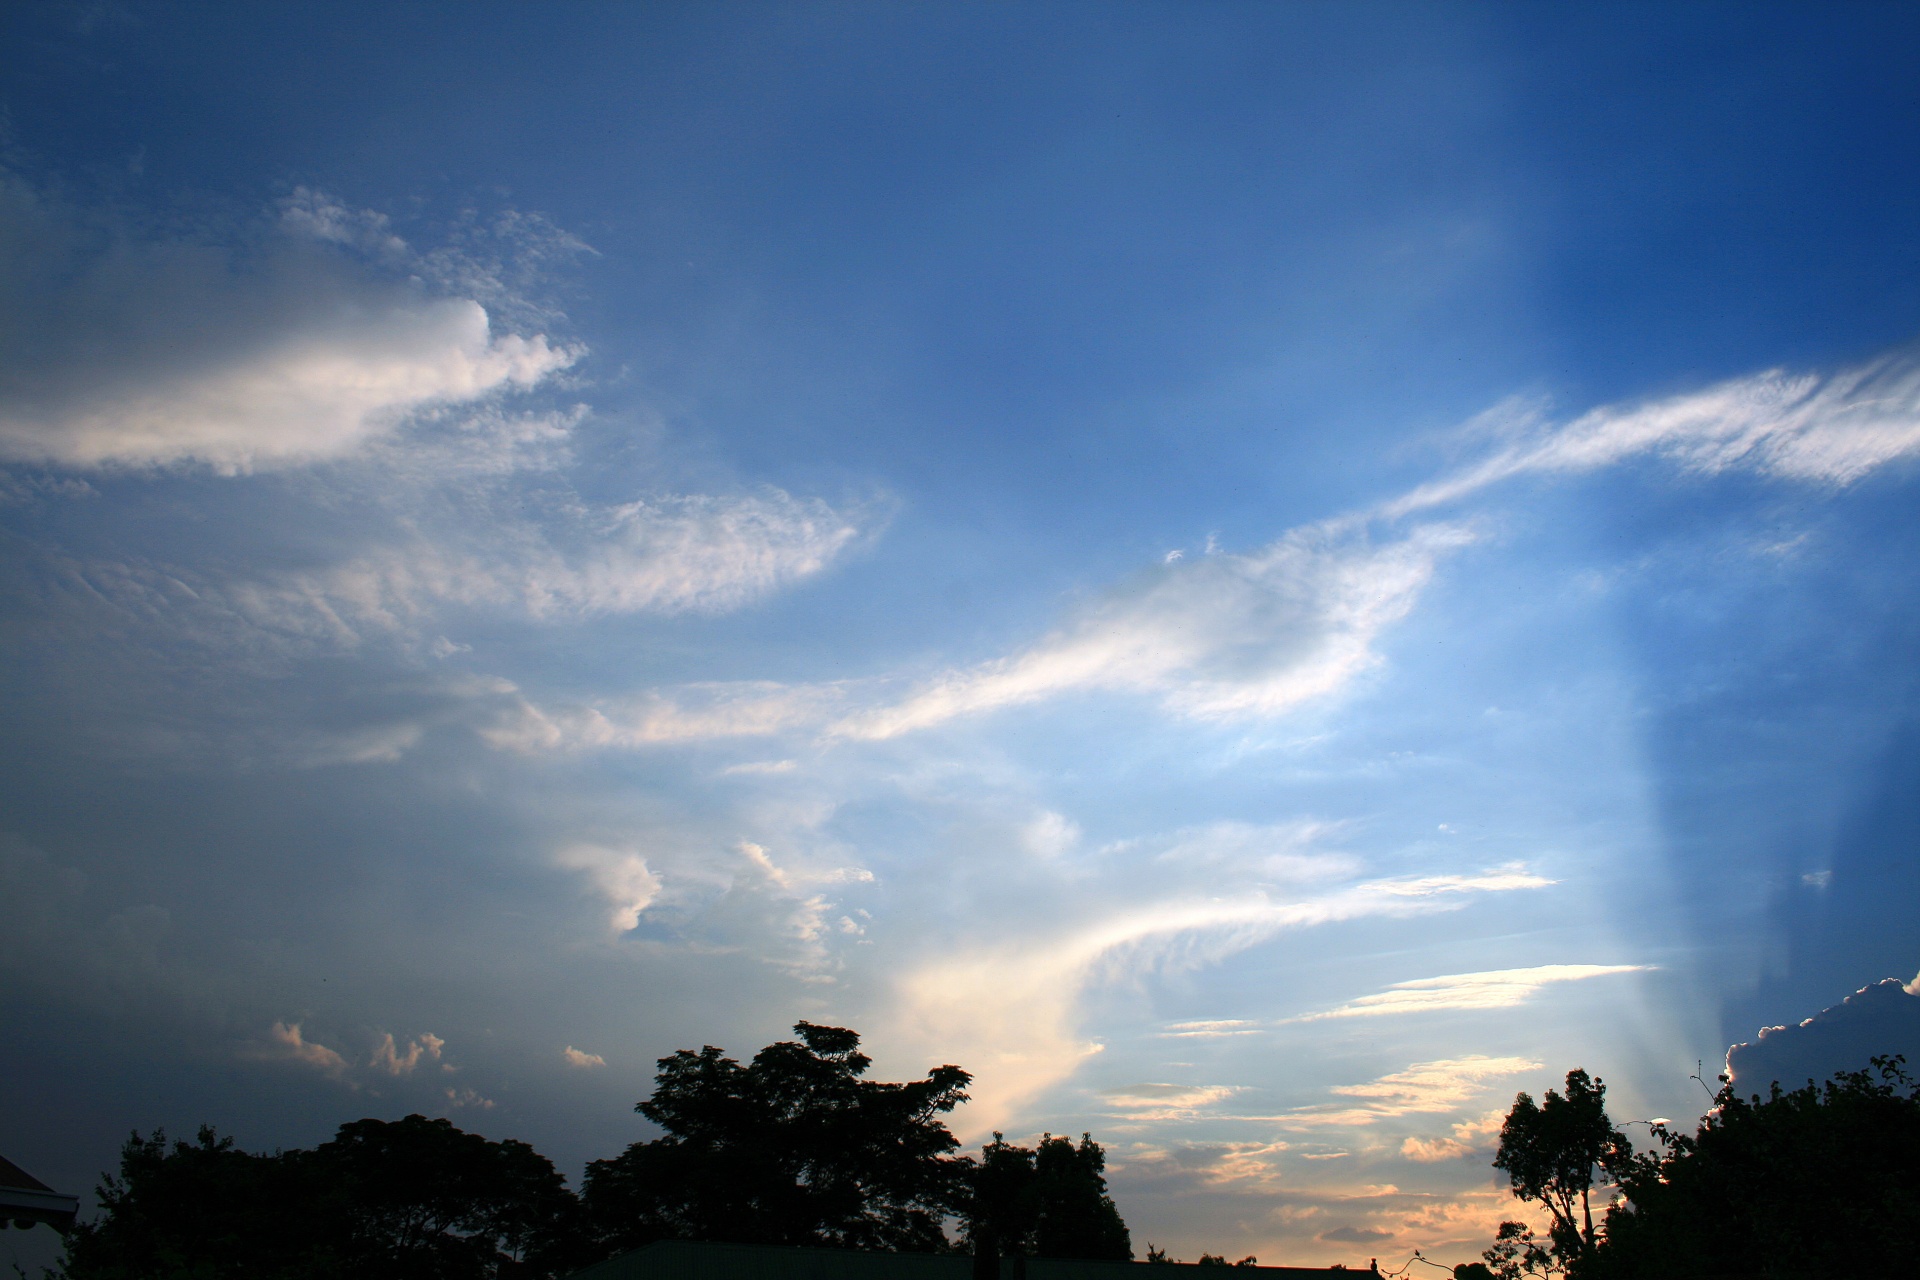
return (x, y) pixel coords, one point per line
(1217, 638)
(1831, 429)
(1423, 1088)
(1492, 989)
(1011, 1008)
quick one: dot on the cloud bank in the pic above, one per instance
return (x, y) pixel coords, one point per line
(1880, 1019)
(122, 350)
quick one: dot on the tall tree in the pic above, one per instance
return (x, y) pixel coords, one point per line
(1555, 1154)
(1048, 1202)
(418, 1197)
(795, 1147)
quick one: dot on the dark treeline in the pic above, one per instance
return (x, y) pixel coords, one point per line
(1806, 1184)
(794, 1147)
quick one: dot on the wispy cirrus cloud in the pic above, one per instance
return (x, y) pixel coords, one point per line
(1492, 989)
(1425, 1087)
(1830, 428)
(1217, 637)
(1011, 1008)
(1159, 1101)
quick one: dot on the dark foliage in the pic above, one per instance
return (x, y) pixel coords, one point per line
(413, 1199)
(200, 1209)
(1555, 1154)
(793, 1148)
(1049, 1202)
(1817, 1182)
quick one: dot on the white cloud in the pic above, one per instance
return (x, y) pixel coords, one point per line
(1211, 1029)
(1441, 1085)
(1831, 429)
(1219, 637)
(1142, 1102)
(317, 393)
(148, 353)
(1492, 989)
(1009, 1009)
(580, 1058)
(285, 1043)
(621, 877)
(1469, 1137)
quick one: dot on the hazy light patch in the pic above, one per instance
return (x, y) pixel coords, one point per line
(582, 1059)
(1010, 1009)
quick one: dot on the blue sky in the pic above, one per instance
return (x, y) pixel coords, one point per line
(1262, 577)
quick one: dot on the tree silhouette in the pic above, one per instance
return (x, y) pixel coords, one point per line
(1049, 1202)
(1819, 1181)
(413, 1199)
(795, 1147)
(1554, 1154)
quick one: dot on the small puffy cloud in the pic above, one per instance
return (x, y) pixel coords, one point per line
(582, 1059)
(620, 876)
(459, 1098)
(388, 1058)
(1880, 1019)
(1222, 637)
(1492, 989)
(286, 1043)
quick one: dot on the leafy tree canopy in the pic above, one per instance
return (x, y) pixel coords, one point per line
(1815, 1183)
(1818, 1181)
(795, 1147)
(413, 1199)
(1048, 1201)
(1554, 1154)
